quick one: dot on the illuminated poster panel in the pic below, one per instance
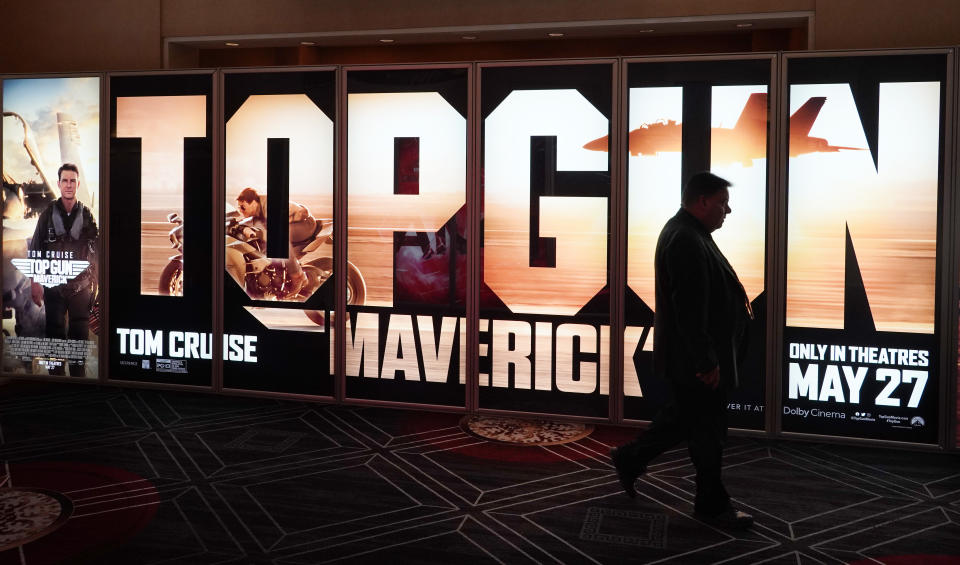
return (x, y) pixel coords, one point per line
(51, 180)
(406, 235)
(161, 236)
(278, 279)
(864, 179)
(544, 301)
(683, 118)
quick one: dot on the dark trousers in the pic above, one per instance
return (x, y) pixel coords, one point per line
(63, 303)
(699, 416)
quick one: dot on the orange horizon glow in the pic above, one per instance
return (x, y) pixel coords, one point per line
(891, 211)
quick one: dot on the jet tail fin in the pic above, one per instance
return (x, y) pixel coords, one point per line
(802, 120)
(754, 112)
(69, 133)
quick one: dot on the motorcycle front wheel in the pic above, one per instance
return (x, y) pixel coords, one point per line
(356, 286)
(171, 279)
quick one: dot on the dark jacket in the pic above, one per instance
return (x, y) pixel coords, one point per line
(701, 307)
(75, 232)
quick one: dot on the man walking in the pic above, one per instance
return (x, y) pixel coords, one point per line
(700, 323)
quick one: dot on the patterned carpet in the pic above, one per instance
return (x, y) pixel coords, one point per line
(164, 477)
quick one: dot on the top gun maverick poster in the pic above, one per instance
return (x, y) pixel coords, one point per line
(406, 235)
(161, 181)
(278, 282)
(864, 179)
(545, 297)
(51, 178)
(686, 117)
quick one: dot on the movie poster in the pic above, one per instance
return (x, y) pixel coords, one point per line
(161, 238)
(279, 267)
(406, 235)
(683, 118)
(864, 181)
(545, 297)
(51, 214)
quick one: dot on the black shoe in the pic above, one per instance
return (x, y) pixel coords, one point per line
(626, 476)
(729, 519)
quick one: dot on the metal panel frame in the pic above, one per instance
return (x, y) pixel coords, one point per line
(219, 206)
(774, 197)
(102, 353)
(340, 239)
(952, 401)
(215, 101)
(946, 273)
(614, 403)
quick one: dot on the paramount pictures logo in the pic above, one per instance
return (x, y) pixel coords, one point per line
(50, 272)
(901, 421)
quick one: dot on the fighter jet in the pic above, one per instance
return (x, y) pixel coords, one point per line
(800, 123)
(743, 143)
(36, 191)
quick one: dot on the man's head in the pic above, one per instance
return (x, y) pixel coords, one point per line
(68, 179)
(248, 202)
(707, 199)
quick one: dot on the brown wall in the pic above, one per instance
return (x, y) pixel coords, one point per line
(183, 18)
(855, 24)
(65, 35)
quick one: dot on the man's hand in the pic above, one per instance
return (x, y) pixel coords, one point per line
(711, 378)
(36, 293)
(297, 280)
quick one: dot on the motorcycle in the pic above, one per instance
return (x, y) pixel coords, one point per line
(171, 278)
(264, 278)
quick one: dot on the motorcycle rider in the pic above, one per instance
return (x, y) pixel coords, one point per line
(303, 225)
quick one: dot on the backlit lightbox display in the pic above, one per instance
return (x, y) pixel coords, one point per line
(279, 223)
(51, 226)
(861, 356)
(161, 231)
(545, 296)
(684, 118)
(406, 235)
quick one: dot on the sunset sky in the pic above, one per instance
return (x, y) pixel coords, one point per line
(38, 100)
(310, 131)
(579, 223)
(654, 190)
(162, 122)
(375, 212)
(891, 212)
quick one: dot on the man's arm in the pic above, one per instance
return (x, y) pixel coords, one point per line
(39, 232)
(92, 231)
(91, 234)
(36, 244)
(689, 294)
(298, 212)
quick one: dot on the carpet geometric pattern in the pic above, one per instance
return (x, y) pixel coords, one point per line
(176, 477)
